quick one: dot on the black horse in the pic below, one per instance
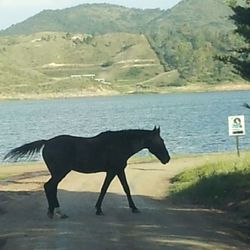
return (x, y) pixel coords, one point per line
(107, 152)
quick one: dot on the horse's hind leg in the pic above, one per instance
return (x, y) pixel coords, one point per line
(50, 188)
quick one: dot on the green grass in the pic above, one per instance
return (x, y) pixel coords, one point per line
(3, 176)
(224, 184)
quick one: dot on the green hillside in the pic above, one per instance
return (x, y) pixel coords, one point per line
(190, 35)
(65, 62)
(212, 14)
(101, 47)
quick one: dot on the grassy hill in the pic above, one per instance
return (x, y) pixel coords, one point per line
(53, 62)
(102, 47)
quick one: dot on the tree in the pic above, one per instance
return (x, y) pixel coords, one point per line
(239, 57)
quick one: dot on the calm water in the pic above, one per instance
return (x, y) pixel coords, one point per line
(190, 123)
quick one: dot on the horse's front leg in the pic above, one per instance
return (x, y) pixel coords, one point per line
(123, 180)
(109, 177)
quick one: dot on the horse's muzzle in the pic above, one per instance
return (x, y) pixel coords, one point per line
(165, 161)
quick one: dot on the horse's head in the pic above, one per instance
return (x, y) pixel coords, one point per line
(156, 146)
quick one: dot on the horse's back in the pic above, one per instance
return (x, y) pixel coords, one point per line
(76, 153)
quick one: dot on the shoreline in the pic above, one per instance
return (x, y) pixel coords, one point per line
(192, 88)
(141, 159)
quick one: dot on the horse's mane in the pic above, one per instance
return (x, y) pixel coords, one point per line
(123, 135)
(126, 132)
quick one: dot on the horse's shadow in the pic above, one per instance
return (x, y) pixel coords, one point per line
(160, 225)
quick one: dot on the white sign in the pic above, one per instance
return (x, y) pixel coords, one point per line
(236, 125)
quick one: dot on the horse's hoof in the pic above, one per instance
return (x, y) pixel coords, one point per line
(99, 212)
(135, 210)
(64, 216)
(61, 216)
(50, 215)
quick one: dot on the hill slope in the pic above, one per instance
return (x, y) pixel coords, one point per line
(62, 62)
(107, 18)
(87, 18)
(124, 49)
(196, 14)
(190, 35)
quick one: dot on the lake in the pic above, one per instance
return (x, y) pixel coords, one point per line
(190, 122)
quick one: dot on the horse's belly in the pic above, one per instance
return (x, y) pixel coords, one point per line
(89, 168)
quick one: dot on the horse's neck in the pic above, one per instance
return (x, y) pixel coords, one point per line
(132, 141)
(137, 143)
(136, 146)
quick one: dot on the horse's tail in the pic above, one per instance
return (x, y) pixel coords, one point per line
(27, 150)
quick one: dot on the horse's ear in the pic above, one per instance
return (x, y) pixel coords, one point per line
(157, 130)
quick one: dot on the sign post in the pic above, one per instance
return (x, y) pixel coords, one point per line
(237, 145)
(236, 127)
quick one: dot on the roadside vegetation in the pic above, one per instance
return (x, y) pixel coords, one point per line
(223, 184)
(3, 176)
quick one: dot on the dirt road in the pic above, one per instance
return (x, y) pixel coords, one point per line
(160, 225)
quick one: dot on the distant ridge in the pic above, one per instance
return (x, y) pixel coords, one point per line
(87, 18)
(109, 18)
(212, 14)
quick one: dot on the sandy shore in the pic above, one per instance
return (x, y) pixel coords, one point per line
(106, 92)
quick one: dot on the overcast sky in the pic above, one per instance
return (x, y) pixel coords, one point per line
(15, 11)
